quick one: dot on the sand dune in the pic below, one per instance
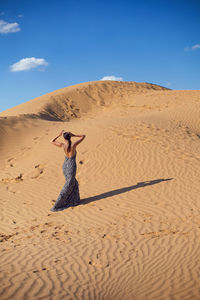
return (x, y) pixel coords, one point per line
(135, 234)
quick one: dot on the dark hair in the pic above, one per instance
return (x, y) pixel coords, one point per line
(67, 136)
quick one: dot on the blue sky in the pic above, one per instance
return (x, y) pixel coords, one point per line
(48, 45)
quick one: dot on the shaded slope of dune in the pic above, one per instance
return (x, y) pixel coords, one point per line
(66, 104)
(70, 102)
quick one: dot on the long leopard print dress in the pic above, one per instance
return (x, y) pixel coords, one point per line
(69, 195)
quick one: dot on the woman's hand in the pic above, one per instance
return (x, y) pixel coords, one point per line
(61, 132)
(71, 134)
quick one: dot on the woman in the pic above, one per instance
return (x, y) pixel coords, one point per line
(69, 195)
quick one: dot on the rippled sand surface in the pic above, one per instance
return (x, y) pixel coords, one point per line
(136, 233)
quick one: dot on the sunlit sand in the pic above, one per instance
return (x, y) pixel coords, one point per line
(136, 233)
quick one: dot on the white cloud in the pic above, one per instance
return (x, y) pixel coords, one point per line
(197, 46)
(112, 77)
(168, 83)
(20, 16)
(6, 27)
(28, 63)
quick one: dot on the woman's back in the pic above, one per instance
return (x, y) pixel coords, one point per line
(73, 146)
(72, 151)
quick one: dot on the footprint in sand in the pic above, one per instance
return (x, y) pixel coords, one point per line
(11, 190)
(35, 173)
(36, 139)
(57, 260)
(158, 234)
(11, 165)
(18, 178)
(38, 170)
(10, 162)
(98, 265)
(25, 148)
(4, 237)
(10, 159)
(43, 269)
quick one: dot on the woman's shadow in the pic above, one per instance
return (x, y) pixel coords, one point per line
(122, 190)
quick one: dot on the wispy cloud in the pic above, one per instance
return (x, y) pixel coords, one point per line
(20, 16)
(28, 63)
(168, 84)
(196, 47)
(112, 77)
(192, 48)
(6, 27)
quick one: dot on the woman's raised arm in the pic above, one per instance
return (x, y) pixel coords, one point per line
(79, 141)
(53, 141)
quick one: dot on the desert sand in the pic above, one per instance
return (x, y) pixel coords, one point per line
(136, 233)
